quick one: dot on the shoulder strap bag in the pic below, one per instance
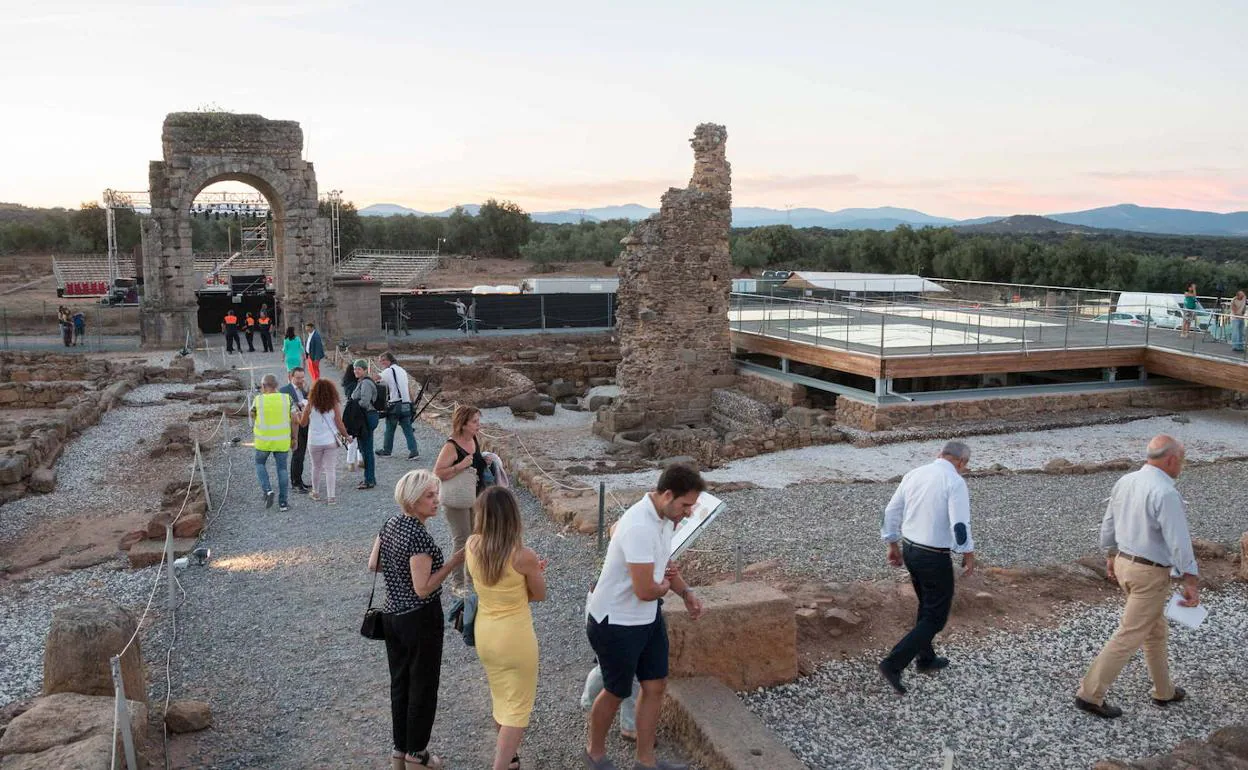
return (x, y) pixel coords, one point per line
(373, 626)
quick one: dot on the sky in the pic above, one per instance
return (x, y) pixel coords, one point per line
(957, 109)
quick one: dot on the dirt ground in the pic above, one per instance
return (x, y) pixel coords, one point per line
(844, 620)
(457, 272)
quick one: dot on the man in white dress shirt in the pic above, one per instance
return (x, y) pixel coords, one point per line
(1145, 532)
(928, 518)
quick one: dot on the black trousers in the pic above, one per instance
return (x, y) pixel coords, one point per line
(250, 335)
(266, 339)
(414, 652)
(232, 341)
(931, 573)
(296, 459)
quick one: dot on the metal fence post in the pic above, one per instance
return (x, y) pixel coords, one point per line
(169, 564)
(542, 299)
(602, 513)
(883, 316)
(123, 713)
(979, 327)
(931, 338)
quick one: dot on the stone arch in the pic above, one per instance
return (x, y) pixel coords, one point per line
(201, 149)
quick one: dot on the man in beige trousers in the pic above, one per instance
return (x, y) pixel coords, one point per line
(1145, 532)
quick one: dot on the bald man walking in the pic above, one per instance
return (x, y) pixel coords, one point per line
(1145, 532)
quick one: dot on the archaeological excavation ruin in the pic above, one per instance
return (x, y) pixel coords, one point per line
(131, 523)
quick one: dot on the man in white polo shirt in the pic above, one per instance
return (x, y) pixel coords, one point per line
(625, 624)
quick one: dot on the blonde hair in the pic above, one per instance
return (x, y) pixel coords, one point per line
(412, 486)
(497, 529)
(462, 415)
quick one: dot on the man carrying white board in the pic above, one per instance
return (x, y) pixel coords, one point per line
(625, 624)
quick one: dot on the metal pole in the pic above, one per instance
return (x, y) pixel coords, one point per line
(979, 327)
(602, 513)
(931, 338)
(123, 713)
(736, 557)
(169, 562)
(1066, 329)
(883, 315)
(542, 298)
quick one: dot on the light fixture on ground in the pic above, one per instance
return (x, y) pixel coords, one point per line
(202, 555)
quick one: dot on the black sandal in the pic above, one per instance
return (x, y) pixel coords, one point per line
(514, 764)
(423, 759)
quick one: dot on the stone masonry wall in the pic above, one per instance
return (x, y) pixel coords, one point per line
(860, 415)
(675, 278)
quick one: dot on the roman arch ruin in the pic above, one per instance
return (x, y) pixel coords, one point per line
(200, 149)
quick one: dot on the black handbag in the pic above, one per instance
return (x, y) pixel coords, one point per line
(373, 626)
(464, 618)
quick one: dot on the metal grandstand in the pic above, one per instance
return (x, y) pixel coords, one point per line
(395, 269)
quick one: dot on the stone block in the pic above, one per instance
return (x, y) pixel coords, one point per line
(43, 480)
(747, 637)
(82, 640)
(718, 731)
(148, 552)
(189, 525)
(188, 716)
(1232, 740)
(54, 724)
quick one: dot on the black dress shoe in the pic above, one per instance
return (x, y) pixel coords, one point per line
(1104, 711)
(382, 454)
(1179, 695)
(892, 677)
(931, 666)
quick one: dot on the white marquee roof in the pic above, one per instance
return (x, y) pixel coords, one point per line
(864, 282)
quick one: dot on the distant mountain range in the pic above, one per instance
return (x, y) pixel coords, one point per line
(1027, 224)
(1124, 217)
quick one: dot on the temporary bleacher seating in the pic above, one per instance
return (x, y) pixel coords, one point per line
(393, 270)
(88, 275)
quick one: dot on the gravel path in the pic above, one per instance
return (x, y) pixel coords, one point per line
(1209, 436)
(269, 636)
(831, 531)
(845, 717)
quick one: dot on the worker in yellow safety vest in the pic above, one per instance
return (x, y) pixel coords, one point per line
(275, 429)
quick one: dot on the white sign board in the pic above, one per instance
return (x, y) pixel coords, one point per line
(705, 511)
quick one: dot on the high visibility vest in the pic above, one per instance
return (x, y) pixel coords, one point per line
(265, 320)
(251, 322)
(272, 426)
(231, 319)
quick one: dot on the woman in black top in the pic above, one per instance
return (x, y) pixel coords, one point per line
(411, 564)
(461, 454)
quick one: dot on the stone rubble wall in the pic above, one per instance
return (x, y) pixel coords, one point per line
(29, 447)
(771, 389)
(860, 415)
(675, 279)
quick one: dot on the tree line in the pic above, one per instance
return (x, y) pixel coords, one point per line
(1123, 261)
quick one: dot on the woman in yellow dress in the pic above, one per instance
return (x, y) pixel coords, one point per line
(506, 576)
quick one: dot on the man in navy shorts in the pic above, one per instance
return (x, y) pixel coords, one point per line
(625, 624)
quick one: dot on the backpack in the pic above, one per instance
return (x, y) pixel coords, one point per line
(354, 419)
(382, 400)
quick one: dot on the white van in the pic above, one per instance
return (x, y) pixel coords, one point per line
(1165, 311)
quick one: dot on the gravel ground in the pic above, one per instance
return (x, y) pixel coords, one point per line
(1023, 520)
(1210, 435)
(845, 717)
(562, 419)
(269, 636)
(26, 613)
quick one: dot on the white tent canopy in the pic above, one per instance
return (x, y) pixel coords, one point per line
(881, 283)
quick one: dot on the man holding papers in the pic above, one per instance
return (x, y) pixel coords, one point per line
(1145, 532)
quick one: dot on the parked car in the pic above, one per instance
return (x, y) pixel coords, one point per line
(1123, 319)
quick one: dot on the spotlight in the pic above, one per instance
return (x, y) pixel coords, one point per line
(202, 555)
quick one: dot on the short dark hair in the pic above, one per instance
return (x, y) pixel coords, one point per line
(680, 480)
(388, 356)
(296, 369)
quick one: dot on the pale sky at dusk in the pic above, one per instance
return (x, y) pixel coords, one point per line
(958, 109)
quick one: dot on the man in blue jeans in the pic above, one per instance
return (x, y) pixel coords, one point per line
(927, 519)
(274, 427)
(399, 407)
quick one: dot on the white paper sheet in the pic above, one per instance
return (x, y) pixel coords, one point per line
(1192, 617)
(705, 511)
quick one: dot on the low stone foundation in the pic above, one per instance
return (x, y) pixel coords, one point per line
(746, 638)
(860, 415)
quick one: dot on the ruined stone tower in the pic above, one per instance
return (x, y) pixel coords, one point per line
(672, 310)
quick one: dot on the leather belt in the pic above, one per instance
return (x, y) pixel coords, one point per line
(1142, 560)
(922, 547)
